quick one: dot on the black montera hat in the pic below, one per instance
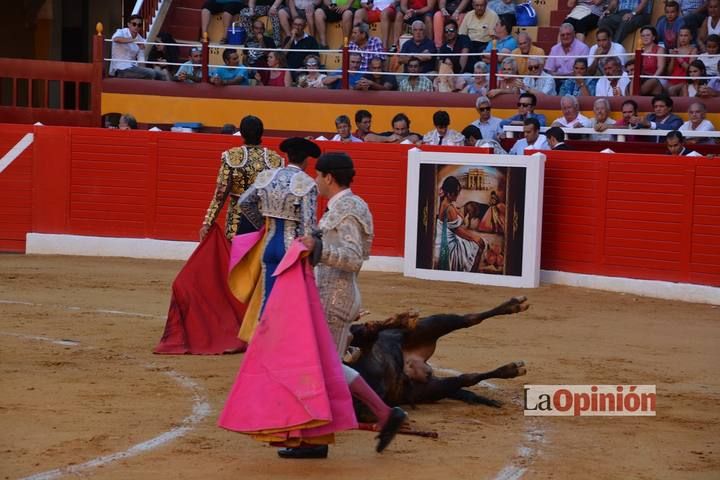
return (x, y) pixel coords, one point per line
(334, 162)
(298, 146)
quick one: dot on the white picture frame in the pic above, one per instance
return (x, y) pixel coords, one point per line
(500, 259)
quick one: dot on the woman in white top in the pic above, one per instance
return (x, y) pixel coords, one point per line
(313, 78)
(697, 123)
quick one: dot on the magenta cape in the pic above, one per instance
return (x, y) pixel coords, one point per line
(204, 316)
(291, 381)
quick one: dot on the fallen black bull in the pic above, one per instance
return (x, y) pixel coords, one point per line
(392, 356)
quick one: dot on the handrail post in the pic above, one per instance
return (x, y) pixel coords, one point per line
(493, 66)
(205, 58)
(98, 69)
(345, 65)
(636, 72)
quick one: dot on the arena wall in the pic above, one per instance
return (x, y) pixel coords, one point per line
(643, 217)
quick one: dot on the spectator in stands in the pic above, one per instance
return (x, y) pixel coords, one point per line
(503, 40)
(504, 9)
(710, 26)
(342, 125)
(694, 12)
(442, 134)
(257, 39)
(571, 116)
(622, 17)
(414, 82)
(604, 46)
(668, 26)
(363, 122)
(299, 41)
(563, 53)
(298, 9)
(368, 47)
(374, 11)
(480, 84)
(313, 78)
(526, 109)
(228, 129)
(538, 81)
(630, 119)
(233, 73)
(472, 135)
(652, 66)
(455, 43)
(375, 79)
(525, 47)
(698, 123)
(447, 12)
(711, 57)
(675, 143)
(278, 77)
(419, 46)
(662, 118)
(533, 140)
(228, 8)
(584, 15)
(488, 125)
(191, 71)
(164, 54)
(127, 122)
(128, 51)
(556, 138)
(267, 8)
(602, 120)
(445, 81)
(615, 82)
(712, 89)
(679, 65)
(508, 82)
(355, 73)
(579, 86)
(630, 72)
(412, 11)
(479, 25)
(692, 87)
(400, 132)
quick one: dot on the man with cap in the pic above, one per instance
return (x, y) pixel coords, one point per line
(285, 201)
(340, 244)
(238, 169)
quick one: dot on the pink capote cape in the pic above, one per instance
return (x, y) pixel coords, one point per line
(204, 317)
(291, 381)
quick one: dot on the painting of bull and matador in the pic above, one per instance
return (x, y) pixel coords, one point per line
(470, 217)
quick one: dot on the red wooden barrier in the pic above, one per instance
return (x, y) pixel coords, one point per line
(637, 216)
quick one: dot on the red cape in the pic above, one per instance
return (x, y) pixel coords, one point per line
(204, 316)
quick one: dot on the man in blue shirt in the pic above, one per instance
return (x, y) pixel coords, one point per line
(233, 74)
(419, 46)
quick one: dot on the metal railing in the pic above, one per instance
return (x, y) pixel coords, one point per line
(620, 133)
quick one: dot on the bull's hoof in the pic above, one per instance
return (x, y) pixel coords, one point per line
(515, 305)
(512, 370)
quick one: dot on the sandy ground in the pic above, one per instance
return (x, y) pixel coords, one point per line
(101, 393)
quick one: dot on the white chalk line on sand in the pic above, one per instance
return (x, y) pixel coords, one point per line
(527, 450)
(200, 410)
(78, 309)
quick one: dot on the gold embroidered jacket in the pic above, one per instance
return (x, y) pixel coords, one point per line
(238, 170)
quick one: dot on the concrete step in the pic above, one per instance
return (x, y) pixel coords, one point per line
(547, 34)
(183, 16)
(187, 4)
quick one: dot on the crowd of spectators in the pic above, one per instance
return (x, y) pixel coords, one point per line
(451, 41)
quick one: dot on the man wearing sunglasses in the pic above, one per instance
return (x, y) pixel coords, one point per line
(526, 109)
(128, 51)
(455, 43)
(488, 125)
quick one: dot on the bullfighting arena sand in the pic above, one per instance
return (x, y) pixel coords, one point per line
(82, 394)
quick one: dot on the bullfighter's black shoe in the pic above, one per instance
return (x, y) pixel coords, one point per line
(392, 426)
(319, 451)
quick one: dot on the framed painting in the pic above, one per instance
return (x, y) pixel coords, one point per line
(474, 218)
